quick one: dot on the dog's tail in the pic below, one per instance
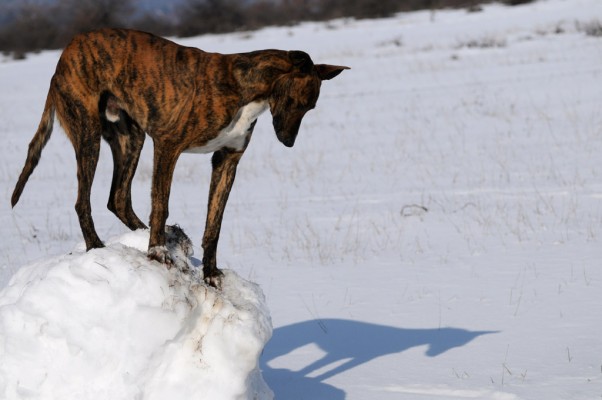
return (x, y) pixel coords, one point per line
(35, 147)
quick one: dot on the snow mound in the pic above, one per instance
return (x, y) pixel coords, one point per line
(110, 324)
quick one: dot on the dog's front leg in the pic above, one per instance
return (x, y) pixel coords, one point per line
(224, 164)
(164, 163)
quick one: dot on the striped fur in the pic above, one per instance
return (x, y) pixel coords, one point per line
(120, 84)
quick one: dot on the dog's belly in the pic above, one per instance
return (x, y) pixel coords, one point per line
(235, 134)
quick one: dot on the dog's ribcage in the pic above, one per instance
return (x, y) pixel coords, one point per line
(235, 134)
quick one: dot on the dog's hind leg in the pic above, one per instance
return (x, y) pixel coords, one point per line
(126, 140)
(87, 151)
(80, 121)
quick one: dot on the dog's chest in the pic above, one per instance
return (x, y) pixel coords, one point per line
(235, 134)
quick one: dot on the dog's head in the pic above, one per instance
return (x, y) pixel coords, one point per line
(296, 92)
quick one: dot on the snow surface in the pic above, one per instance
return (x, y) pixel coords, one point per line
(110, 324)
(436, 231)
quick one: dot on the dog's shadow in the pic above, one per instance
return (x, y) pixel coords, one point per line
(346, 344)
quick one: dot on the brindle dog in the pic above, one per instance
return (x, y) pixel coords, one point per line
(119, 84)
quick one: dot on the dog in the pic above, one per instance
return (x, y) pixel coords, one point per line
(121, 84)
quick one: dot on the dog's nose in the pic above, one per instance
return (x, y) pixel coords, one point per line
(289, 142)
(288, 137)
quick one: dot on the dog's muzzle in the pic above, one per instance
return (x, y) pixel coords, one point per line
(286, 135)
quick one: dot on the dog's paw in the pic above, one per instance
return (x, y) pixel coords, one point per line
(161, 254)
(215, 279)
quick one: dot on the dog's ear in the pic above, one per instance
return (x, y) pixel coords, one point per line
(301, 61)
(327, 72)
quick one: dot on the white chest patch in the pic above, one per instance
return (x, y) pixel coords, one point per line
(235, 134)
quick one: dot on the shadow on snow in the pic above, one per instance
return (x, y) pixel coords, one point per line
(346, 345)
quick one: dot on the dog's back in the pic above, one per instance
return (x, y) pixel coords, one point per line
(152, 78)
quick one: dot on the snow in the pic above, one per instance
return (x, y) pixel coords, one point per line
(434, 233)
(112, 324)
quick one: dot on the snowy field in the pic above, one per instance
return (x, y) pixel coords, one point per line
(435, 233)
